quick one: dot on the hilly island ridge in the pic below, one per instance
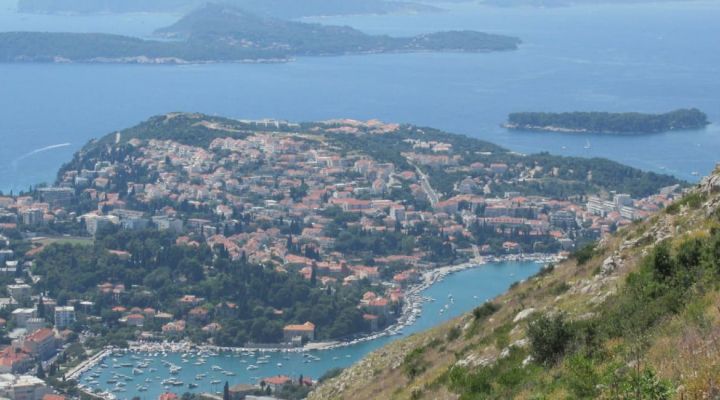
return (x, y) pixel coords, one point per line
(221, 33)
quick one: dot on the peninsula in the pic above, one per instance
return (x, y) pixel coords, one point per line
(219, 33)
(604, 122)
(272, 234)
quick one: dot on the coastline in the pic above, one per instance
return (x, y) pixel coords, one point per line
(411, 310)
(560, 129)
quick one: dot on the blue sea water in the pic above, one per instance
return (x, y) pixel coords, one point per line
(640, 57)
(469, 288)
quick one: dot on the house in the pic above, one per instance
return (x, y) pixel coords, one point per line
(372, 321)
(305, 331)
(41, 343)
(190, 300)
(15, 361)
(168, 396)
(174, 328)
(212, 327)
(135, 320)
(198, 315)
(241, 390)
(378, 306)
(277, 382)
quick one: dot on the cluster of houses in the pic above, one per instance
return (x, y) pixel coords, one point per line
(37, 329)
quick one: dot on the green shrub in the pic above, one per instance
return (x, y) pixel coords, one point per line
(582, 377)
(414, 363)
(453, 333)
(550, 336)
(585, 253)
(485, 310)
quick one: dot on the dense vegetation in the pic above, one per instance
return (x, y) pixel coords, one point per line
(224, 33)
(670, 281)
(563, 177)
(159, 272)
(604, 122)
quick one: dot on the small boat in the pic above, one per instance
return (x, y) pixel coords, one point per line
(587, 145)
(215, 382)
(250, 368)
(279, 365)
(192, 385)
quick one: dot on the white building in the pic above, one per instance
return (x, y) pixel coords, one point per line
(94, 223)
(22, 387)
(22, 315)
(34, 324)
(19, 292)
(64, 316)
(33, 216)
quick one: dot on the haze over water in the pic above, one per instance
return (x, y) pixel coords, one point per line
(657, 57)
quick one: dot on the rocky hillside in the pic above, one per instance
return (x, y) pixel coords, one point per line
(635, 317)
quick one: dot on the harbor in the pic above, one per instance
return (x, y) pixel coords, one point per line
(146, 370)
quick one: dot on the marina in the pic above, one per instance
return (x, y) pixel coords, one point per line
(183, 367)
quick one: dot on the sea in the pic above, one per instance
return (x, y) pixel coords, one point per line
(456, 294)
(651, 57)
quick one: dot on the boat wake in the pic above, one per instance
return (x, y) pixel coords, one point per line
(37, 151)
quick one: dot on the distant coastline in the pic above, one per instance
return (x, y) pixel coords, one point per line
(216, 33)
(630, 123)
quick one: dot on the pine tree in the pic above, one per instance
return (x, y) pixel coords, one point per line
(41, 308)
(226, 391)
(313, 275)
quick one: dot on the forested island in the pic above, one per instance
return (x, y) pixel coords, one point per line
(276, 8)
(218, 33)
(605, 122)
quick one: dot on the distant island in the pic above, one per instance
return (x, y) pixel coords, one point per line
(275, 8)
(219, 33)
(605, 122)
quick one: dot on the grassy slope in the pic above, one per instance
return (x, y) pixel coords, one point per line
(681, 348)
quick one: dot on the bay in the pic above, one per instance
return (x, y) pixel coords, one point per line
(469, 288)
